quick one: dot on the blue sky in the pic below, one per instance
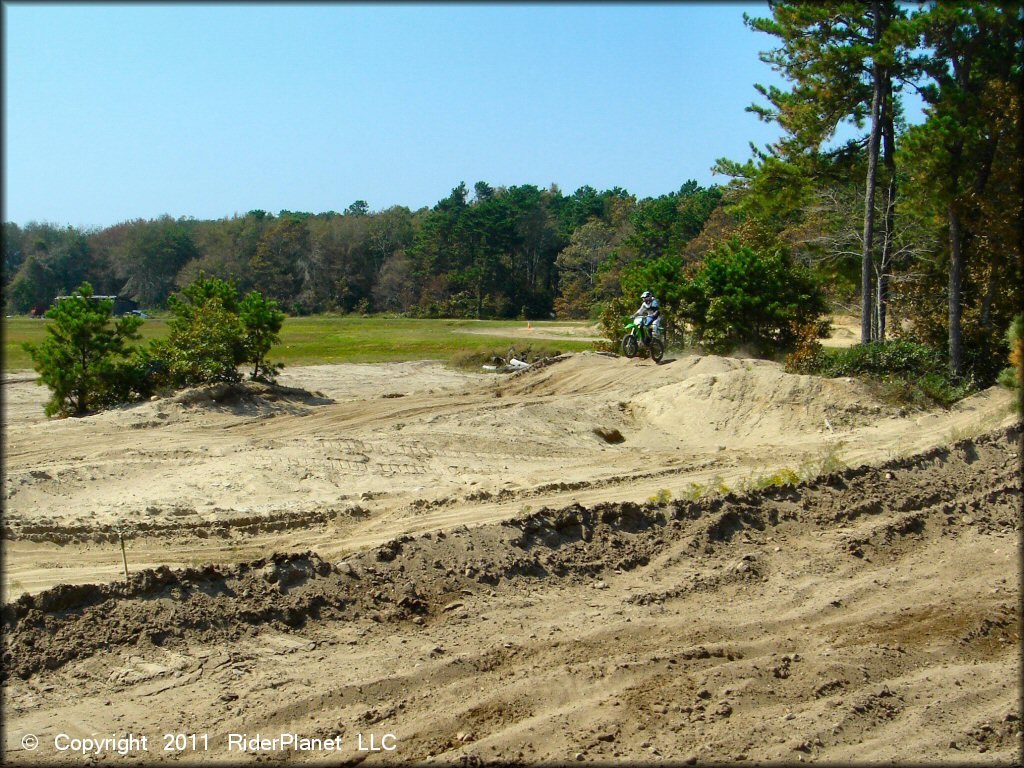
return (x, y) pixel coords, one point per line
(121, 111)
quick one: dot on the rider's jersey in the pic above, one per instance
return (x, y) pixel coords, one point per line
(652, 311)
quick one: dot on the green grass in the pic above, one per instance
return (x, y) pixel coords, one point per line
(21, 329)
(344, 339)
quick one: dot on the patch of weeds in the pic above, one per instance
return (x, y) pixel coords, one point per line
(972, 429)
(830, 460)
(662, 497)
(956, 434)
(825, 462)
(532, 354)
(694, 491)
(784, 476)
(897, 451)
(716, 486)
(476, 359)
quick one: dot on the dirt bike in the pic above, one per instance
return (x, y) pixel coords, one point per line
(639, 336)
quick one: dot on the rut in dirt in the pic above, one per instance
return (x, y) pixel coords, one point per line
(899, 505)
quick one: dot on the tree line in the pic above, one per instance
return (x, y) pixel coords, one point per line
(498, 252)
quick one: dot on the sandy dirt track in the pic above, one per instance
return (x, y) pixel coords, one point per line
(508, 568)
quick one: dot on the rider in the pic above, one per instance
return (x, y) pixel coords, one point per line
(651, 312)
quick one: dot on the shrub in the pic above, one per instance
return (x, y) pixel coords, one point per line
(262, 321)
(881, 358)
(213, 332)
(808, 351)
(1013, 376)
(85, 358)
(131, 378)
(904, 370)
(612, 320)
(204, 345)
(740, 297)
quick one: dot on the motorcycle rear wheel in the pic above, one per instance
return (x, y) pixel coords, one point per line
(657, 349)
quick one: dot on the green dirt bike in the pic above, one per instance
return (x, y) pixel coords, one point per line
(639, 336)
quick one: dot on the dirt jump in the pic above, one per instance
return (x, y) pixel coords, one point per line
(595, 560)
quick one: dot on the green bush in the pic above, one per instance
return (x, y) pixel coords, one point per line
(904, 370)
(204, 345)
(740, 297)
(613, 321)
(212, 332)
(1013, 375)
(881, 358)
(131, 378)
(261, 321)
(85, 359)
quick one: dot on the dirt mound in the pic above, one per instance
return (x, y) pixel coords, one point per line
(698, 395)
(243, 398)
(228, 525)
(247, 389)
(207, 603)
(753, 402)
(419, 578)
(249, 396)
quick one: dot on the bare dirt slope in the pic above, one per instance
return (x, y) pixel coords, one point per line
(509, 568)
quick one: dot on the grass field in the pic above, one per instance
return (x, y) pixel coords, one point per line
(347, 339)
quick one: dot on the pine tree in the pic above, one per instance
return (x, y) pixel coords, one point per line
(79, 360)
(976, 57)
(843, 60)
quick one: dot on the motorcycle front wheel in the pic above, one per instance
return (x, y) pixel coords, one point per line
(629, 345)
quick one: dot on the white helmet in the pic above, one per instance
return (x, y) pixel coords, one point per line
(646, 296)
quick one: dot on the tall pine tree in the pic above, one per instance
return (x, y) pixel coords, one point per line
(844, 61)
